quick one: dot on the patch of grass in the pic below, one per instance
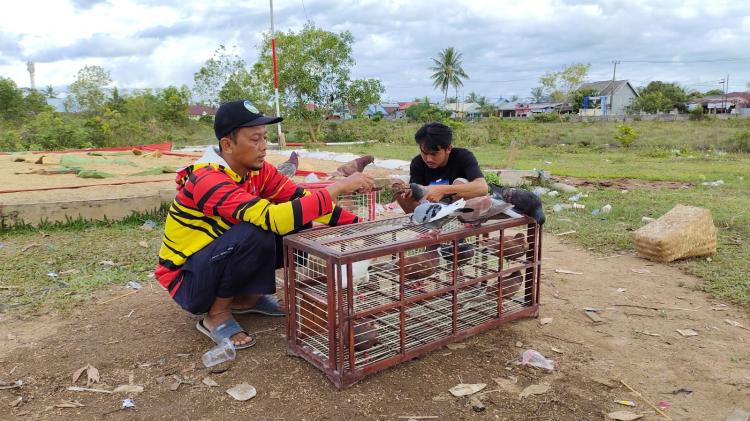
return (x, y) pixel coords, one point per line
(31, 257)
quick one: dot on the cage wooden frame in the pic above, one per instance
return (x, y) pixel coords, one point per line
(330, 344)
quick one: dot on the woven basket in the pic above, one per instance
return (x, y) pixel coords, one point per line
(684, 231)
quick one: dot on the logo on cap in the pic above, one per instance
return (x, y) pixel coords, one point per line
(250, 107)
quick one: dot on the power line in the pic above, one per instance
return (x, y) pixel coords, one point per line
(728, 59)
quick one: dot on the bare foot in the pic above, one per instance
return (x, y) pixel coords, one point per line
(211, 321)
(241, 302)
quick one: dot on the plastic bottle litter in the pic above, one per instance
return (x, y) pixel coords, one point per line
(540, 191)
(149, 224)
(222, 352)
(595, 212)
(607, 208)
(576, 197)
(553, 193)
(713, 183)
(557, 208)
(536, 359)
(578, 206)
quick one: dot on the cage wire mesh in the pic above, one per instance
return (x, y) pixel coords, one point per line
(367, 296)
(361, 204)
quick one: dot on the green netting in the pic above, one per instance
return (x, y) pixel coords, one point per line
(156, 171)
(93, 174)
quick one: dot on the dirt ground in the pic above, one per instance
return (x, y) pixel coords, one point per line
(146, 339)
(622, 183)
(22, 172)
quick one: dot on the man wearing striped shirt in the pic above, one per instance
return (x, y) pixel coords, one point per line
(222, 236)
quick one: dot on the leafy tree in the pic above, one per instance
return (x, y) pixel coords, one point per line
(448, 71)
(313, 68)
(579, 95)
(173, 103)
(11, 99)
(661, 96)
(424, 112)
(713, 92)
(472, 97)
(559, 86)
(537, 93)
(86, 94)
(362, 92)
(116, 101)
(49, 92)
(222, 78)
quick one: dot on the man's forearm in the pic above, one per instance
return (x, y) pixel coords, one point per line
(475, 188)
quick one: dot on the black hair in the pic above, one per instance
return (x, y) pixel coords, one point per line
(434, 136)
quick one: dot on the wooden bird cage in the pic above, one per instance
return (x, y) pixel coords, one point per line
(360, 204)
(364, 297)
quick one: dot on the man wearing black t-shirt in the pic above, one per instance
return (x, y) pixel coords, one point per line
(445, 171)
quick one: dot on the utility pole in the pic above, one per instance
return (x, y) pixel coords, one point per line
(31, 70)
(282, 141)
(614, 71)
(726, 91)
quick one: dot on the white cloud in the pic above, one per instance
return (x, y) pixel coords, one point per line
(506, 44)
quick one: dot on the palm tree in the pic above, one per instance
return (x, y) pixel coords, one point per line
(448, 71)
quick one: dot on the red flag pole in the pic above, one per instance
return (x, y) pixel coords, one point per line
(282, 141)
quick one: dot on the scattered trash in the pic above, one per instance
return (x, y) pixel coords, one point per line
(607, 208)
(578, 206)
(626, 403)
(454, 347)
(2, 245)
(128, 388)
(519, 344)
(568, 272)
(92, 374)
(107, 263)
(312, 178)
(557, 208)
(687, 392)
(624, 416)
(69, 404)
(593, 316)
(738, 415)
(559, 351)
(716, 183)
(645, 332)
(134, 285)
(735, 324)
(553, 193)
(534, 389)
(148, 225)
(647, 219)
(576, 197)
(70, 272)
(621, 289)
(566, 233)
(143, 244)
(14, 385)
(536, 359)
(87, 389)
(223, 352)
(52, 275)
(463, 389)
(540, 191)
(210, 382)
(687, 332)
(509, 385)
(128, 404)
(545, 321)
(27, 247)
(476, 404)
(243, 391)
(664, 404)
(183, 354)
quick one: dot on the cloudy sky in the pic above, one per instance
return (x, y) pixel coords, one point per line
(506, 45)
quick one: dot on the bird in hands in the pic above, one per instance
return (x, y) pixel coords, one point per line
(435, 215)
(289, 167)
(355, 165)
(483, 209)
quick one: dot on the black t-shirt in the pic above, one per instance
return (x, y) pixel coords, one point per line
(461, 164)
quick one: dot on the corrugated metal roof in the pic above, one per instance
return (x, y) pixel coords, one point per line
(606, 87)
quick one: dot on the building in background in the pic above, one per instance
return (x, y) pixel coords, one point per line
(612, 97)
